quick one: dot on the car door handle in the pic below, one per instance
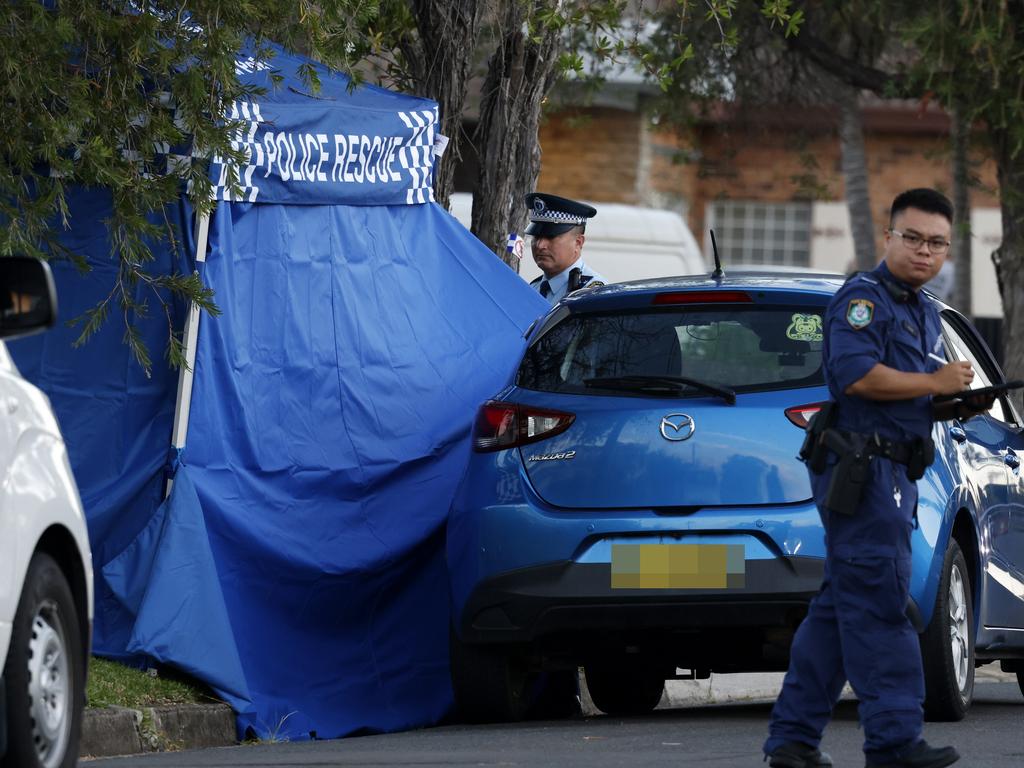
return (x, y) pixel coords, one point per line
(958, 434)
(1011, 459)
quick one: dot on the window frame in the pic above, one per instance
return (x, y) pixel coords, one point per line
(981, 357)
(551, 323)
(761, 232)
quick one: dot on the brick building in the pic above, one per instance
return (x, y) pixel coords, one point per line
(769, 181)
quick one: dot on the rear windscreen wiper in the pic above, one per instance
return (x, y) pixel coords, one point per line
(647, 383)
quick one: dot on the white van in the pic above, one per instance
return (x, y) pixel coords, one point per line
(624, 242)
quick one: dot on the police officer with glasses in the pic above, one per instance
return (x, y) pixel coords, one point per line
(865, 451)
(557, 226)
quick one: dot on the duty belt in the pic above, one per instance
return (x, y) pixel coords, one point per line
(852, 472)
(889, 449)
(871, 445)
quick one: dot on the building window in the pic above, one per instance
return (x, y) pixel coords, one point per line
(757, 234)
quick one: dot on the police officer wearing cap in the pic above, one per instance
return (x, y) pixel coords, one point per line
(557, 226)
(881, 349)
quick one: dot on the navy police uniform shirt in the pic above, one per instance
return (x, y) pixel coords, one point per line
(558, 286)
(869, 323)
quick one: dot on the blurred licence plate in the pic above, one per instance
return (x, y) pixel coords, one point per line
(678, 566)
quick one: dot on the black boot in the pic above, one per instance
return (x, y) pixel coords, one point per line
(795, 754)
(921, 756)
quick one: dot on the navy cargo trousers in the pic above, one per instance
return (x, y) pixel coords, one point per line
(856, 628)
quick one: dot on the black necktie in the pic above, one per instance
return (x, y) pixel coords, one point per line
(545, 289)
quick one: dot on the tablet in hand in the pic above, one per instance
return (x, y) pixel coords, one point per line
(995, 389)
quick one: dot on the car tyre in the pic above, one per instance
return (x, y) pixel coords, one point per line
(45, 672)
(556, 696)
(623, 687)
(947, 644)
(491, 684)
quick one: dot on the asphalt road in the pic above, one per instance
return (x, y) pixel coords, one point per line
(719, 736)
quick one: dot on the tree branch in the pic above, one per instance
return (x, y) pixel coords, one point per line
(849, 71)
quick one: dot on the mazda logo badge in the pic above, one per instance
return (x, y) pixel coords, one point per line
(677, 426)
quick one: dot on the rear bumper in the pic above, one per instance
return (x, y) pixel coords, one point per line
(530, 604)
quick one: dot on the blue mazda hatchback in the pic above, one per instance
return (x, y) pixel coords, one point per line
(634, 504)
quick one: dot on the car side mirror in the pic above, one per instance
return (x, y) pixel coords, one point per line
(28, 299)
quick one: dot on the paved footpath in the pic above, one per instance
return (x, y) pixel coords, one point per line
(119, 731)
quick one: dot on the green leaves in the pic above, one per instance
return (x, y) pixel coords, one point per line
(779, 13)
(95, 92)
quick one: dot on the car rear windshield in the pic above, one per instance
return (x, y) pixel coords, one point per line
(744, 349)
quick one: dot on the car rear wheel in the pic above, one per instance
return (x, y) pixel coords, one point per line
(947, 645)
(45, 673)
(625, 687)
(556, 695)
(490, 684)
(497, 684)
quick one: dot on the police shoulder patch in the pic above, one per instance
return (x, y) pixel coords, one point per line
(859, 313)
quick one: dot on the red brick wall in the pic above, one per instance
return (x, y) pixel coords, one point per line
(617, 156)
(592, 154)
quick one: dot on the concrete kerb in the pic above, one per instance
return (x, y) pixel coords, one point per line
(110, 731)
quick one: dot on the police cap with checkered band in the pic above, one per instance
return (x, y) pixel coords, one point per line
(551, 215)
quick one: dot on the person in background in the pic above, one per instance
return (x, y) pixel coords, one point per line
(557, 226)
(943, 283)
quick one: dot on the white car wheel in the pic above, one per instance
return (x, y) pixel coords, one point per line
(48, 686)
(947, 644)
(45, 672)
(959, 642)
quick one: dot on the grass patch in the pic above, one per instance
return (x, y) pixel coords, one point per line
(115, 685)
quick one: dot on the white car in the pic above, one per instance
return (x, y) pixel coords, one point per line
(46, 583)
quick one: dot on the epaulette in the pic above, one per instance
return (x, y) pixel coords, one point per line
(865, 276)
(898, 293)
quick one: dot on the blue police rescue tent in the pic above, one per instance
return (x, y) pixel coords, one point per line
(298, 565)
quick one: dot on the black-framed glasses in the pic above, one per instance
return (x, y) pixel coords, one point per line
(913, 241)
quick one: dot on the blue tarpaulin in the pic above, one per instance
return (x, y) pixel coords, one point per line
(116, 420)
(368, 146)
(298, 565)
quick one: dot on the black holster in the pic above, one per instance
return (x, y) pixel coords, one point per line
(814, 451)
(846, 485)
(850, 474)
(922, 454)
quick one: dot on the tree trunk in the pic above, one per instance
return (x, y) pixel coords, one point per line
(519, 75)
(1009, 257)
(961, 251)
(447, 33)
(855, 178)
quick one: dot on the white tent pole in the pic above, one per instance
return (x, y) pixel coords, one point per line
(183, 402)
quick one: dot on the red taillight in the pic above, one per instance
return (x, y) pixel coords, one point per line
(801, 415)
(703, 297)
(506, 425)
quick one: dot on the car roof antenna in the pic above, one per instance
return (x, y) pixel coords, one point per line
(718, 274)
